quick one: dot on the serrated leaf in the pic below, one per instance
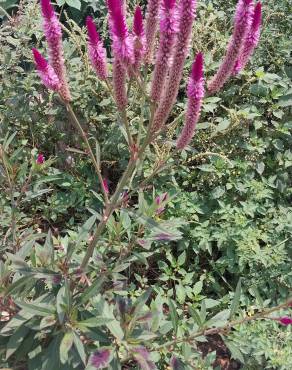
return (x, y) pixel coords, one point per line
(235, 351)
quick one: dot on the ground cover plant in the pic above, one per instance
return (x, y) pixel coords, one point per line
(145, 204)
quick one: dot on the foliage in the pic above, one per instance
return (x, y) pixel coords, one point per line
(156, 275)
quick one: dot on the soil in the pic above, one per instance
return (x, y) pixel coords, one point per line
(223, 355)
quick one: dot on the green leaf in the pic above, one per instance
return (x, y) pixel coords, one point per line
(65, 346)
(15, 340)
(197, 288)
(74, 4)
(173, 315)
(85, 229)
(236, 299)
(40, 309)
(235, 351)
(115, 328)
(94, 322)
(80, 347)
(92, 290)
(181, 258)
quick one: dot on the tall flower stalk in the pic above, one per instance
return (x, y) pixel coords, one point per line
(251, 40)
(168, 30)
(242, 22)
(186, 16)
(195, 94)
(151, 28)
(53, 33)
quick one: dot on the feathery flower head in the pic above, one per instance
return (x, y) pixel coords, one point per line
(195, 94)
(168, 17)
(138, 27)
(122, 40)
(257, 16)
(151, 27)
(196, 81)
(118, 22)
(169, 4)
(251, 40)
(96, 51)
(46, 72)
(242, 24)
(47, 9)
(51, 24)
(91, 30)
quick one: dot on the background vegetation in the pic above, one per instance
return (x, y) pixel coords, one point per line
(229, 214)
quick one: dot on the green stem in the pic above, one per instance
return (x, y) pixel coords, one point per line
(222, 329)
(90, 152)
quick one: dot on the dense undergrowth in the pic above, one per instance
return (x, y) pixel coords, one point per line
(228, 213)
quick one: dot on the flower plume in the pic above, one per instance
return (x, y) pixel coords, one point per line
(195, 94)
(151, 27)
(139, 38)
(242, 22)
(251, 40)
(96, 51)
(53, 33)
(122, 40)
(45, 71)
(186, 16)
(168, 30)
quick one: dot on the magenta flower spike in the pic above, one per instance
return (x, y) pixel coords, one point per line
(285, 320)
(195, 94)
(119, 84)
(96, 51)
(186, 16)
(122, 40)
(151, 28)
(168, 30)
(53, 33)
(46, 72)
(242, 22)
(251, 40)
(40, 158)
(139, 38)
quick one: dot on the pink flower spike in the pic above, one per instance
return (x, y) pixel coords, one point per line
(251, 40)
(138, 27)
(242, 24)
(186, 16)
(91, 30)
(46, 72)
(119, 26)
(168, 31)
(40, 61)
(139, 40)
(285, 320)
(122, 41)
(195, 93)
(197, 68)
(169, 4)
(151, 27)
(40, 159)
(96, 51)
(47, 9)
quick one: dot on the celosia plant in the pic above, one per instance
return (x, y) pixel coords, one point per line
(151, 55)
